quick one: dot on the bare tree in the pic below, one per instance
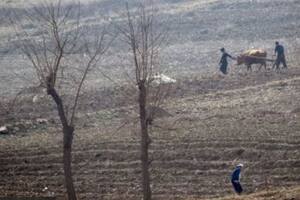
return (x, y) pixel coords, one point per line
(144, 41)
(60, 52)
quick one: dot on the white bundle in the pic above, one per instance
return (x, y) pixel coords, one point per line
(162, 79)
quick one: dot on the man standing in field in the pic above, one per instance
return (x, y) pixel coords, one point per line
(279, 52)
(235, 179)
(223, 62)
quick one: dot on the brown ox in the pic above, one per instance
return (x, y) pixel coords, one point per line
(253, 56)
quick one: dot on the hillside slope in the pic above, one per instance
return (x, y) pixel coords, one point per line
(213, 122)
(194, 150)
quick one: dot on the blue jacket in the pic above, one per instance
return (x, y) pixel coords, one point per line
(279, 50)
(235, 176)
(224, 58)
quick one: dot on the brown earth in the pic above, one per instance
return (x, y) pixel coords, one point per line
(215, 121)
(275, 194)
(251, 119)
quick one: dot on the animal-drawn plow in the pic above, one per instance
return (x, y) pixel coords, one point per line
(254, 56)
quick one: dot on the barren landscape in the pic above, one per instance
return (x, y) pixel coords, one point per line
(208, 124)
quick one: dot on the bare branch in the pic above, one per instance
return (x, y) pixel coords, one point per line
(56, 41)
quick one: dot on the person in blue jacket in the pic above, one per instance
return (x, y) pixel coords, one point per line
(235, 179)
(223, 61)
(279, 51)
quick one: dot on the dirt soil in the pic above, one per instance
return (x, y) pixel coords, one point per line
(212, 123)
(194, 150)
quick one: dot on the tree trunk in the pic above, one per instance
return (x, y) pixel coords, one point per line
(67, 160)
(68, 132)
(145, 141)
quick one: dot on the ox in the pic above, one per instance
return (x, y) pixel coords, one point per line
(253, 56)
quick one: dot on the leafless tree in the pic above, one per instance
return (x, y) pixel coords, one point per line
(60, 52)
(144, 40)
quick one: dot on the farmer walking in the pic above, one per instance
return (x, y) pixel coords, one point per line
(235, 179)
(223, 62)
(280, 57)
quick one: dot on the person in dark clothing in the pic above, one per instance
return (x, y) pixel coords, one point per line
(223, 62)
(280, 57)
(235, 179)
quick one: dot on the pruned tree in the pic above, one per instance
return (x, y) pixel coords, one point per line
(62, 54)
(142, 35)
